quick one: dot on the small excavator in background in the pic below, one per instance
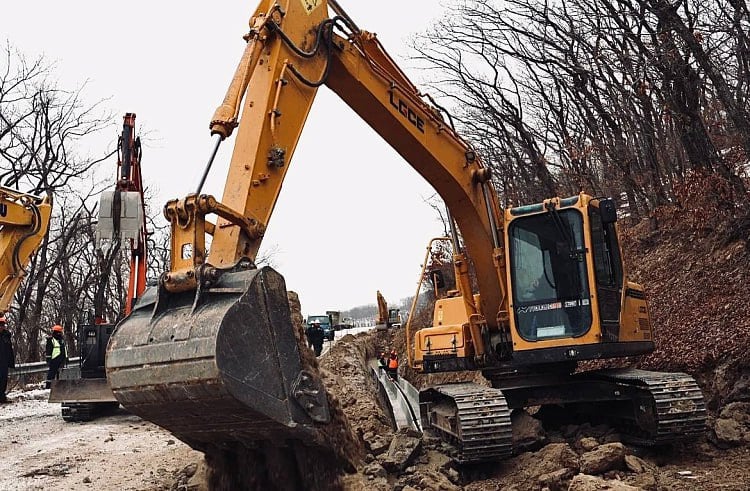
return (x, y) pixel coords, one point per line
(387, 318)
(122, 218)
(24, 221)
(211, 353)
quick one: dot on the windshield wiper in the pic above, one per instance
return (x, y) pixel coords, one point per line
(573, 252)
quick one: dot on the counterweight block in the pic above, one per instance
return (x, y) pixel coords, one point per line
(219, 365)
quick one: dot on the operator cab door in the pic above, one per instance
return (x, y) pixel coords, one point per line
(549, 277)
(607, 267)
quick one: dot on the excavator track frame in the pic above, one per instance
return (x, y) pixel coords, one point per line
(677, 410)
(473, 418)
(647, 408)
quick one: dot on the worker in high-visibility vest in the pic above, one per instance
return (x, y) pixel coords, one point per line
(393, 365)
(55, 354)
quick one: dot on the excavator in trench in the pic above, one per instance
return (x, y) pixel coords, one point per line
(387, 318)
(211, 355)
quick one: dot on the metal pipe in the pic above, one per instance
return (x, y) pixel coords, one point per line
(454, 231)
(217, 138)
(490, 215)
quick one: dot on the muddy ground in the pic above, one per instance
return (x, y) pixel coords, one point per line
(39, 451)
(698, 292)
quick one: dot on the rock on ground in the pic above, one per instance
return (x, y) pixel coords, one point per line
(603, 458)
(582, 482)
(404, 447)
(528, 432)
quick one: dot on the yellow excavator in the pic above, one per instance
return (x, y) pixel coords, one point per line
(211, 355)
(24, 221)
(387, 318)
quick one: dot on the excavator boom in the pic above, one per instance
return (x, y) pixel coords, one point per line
(24, 219)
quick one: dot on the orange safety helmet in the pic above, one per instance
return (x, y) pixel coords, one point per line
(57, 328)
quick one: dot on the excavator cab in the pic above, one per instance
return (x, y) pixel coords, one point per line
(569, 298)
(549, 278)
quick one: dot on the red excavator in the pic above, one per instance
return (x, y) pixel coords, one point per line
(122, 218)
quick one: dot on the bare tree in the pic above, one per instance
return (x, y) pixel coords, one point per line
(634, 98)
(40, 126)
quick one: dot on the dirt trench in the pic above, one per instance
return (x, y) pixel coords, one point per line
(573, 456)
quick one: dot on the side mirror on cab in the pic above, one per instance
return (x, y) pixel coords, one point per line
(608, 211)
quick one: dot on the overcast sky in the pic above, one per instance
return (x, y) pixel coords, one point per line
(351, 217)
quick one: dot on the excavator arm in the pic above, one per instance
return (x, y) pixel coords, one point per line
(289, 54)
(24, 221)
(382, 319)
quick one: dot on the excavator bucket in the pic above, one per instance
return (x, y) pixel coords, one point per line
(219, 365)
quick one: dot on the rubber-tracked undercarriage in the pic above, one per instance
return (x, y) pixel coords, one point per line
(646, 408)
(473, 418)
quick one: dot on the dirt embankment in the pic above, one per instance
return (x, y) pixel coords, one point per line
(698, 289)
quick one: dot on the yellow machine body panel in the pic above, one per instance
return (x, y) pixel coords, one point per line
(635, 315)
(24, 221)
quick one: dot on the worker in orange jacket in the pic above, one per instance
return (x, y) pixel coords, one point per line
(393, 365)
